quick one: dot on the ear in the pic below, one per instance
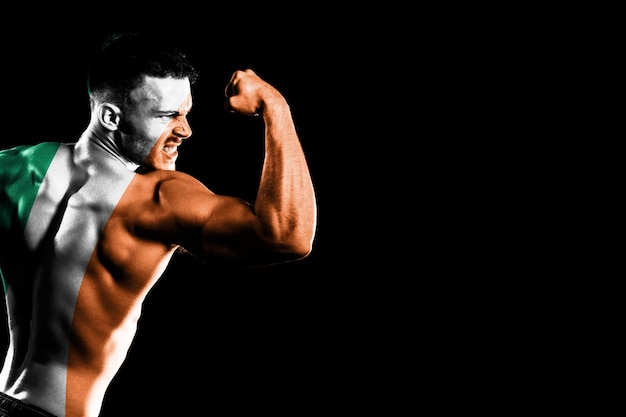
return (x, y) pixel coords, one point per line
(109, 116)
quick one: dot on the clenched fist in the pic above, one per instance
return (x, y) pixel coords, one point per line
(247, 94)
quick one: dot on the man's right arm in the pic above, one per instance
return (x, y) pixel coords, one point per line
(281, 223)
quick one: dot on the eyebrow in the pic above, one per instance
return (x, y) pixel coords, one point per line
(166, 112)
(169, 112)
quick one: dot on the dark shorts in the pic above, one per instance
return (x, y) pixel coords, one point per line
(12, 407)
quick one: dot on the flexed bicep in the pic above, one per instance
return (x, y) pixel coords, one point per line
(220, 229)
(232, 234)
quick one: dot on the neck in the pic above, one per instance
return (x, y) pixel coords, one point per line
(108, 145)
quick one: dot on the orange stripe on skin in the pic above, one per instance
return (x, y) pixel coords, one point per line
(119, 275)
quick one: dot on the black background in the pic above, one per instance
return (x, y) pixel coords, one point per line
(406, 117)
(282, 339)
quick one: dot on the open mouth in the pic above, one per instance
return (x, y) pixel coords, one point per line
(170, 150)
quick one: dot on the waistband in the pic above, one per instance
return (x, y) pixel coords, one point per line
(12, 407)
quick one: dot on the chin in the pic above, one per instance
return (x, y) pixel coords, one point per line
(168, 167)
(162, 165)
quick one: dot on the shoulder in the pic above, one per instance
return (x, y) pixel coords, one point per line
(22, 172)
(158, 203)
(23, 161)
(172, 185)
(161, 177)
(31, 151)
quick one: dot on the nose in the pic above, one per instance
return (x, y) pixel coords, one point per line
(182, 128)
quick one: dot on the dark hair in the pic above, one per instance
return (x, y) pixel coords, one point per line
(126, 58)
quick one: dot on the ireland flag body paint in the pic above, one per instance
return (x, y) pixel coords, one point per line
(65, 292)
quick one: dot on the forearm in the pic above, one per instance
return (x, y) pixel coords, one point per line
(286, 203)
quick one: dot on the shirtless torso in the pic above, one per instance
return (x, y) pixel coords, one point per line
(96, 263)
(85, 237)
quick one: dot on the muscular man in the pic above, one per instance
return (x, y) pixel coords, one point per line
(84, 237)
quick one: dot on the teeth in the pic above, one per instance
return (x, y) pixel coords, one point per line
(169, 149)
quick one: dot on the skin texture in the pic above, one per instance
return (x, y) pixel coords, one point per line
(119, 230)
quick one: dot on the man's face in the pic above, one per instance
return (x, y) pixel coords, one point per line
(155, 123)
